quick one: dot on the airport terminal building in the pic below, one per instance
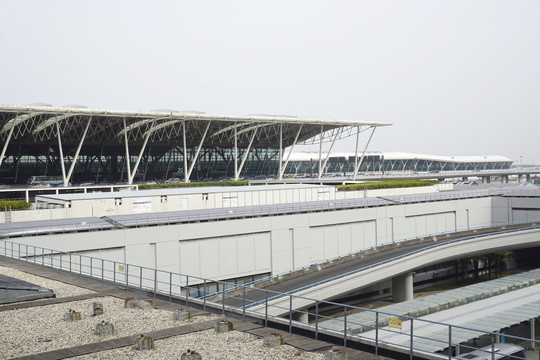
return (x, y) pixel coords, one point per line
(78, 144)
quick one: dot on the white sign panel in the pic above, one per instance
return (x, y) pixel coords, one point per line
(323, 195)
(142, 205)
(230, 201)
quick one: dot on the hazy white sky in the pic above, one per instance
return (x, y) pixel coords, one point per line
(454, 77)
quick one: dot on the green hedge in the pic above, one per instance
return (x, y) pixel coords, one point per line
(15, 205)
(387, 184)
(194, 184)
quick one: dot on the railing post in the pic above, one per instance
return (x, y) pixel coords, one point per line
(345, 326)
(187, 290)
(411, 341)
(34, 254)
(91, 266)
(102, 271)
(170, 287)
(26, 253)
(223, 299)
(42, 257)
(80, 265)
(60, 261)
(127, 276)
(52, 263)
(155, 283)
(449, 342)
(140, 279)
(316, 319)
(492, 346)
(114, 273)
(204, 298)
(70, 262)
(376, 333)
(266, 309)
(244, 303)
(290, 314)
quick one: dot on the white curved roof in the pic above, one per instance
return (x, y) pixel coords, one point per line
(307, 156)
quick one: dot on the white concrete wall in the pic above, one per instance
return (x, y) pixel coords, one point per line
(33, 215)
(235, 248)
(150, 204)
(392, 192)
(160, 203)
(515, 209)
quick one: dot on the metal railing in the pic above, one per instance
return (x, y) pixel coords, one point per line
(408, 339)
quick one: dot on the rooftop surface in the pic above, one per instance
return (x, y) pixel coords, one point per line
(37, 330)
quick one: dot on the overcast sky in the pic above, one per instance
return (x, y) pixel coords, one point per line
(454, 77)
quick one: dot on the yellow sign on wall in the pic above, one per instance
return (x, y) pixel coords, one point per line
(394, 323)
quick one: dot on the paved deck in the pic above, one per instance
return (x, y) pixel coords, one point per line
(104, 289)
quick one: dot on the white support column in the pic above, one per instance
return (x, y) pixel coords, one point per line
(128, 161)
(363, 153)
(72, 167)
(280, 171)
(186, 178)
(236, 176)
(320, 153)
(61, 154)
(194, 160)
(247, 151)
(6, 144)
(402, 287)
(134, 170)
(290, 152)
(532, 322)
(356, 151)
(329, 151)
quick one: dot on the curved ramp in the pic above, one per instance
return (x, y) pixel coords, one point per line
(406, 262)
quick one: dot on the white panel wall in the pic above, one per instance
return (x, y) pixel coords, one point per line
(228, 249)
(301, 241)
(282, 247)
(208, 258)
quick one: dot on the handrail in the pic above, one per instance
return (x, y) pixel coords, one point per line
(175, 285)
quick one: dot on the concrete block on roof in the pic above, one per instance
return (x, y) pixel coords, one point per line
(144, 304)
(272, 340)
(336, 354)
(191, 355)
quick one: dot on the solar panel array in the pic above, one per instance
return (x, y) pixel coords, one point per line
(53, 226)
(243, 212)
(494, 322)
(177, 217)
(365, 321)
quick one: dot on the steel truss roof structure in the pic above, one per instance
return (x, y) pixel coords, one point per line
(77, 126)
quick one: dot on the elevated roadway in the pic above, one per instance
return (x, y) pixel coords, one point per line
(442, 175)
(331, 280)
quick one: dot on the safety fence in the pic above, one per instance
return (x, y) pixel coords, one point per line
(406, 334)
